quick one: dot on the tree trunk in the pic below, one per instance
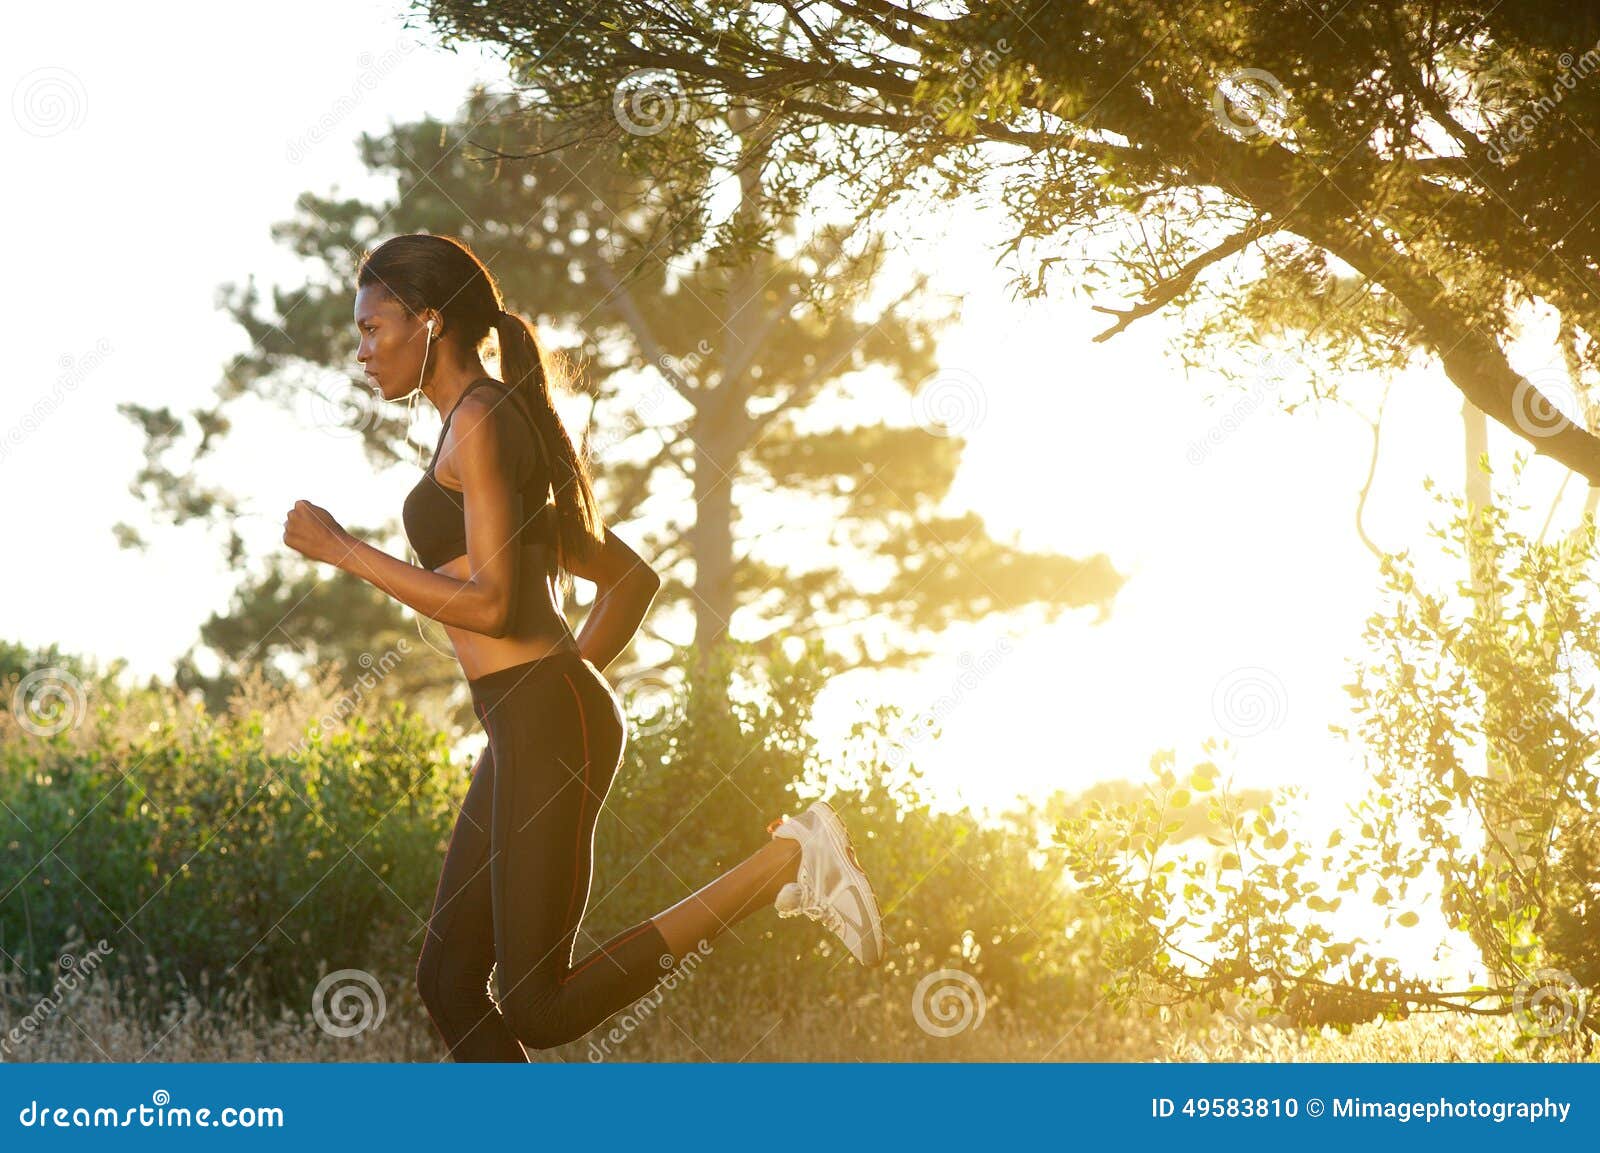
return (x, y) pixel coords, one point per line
(1502, 847)
(722, 426)
(1473, 361)
(712, 536)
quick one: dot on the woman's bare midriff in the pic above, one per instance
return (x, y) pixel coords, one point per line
(537, 629)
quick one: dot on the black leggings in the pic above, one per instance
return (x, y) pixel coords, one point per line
(516, 876)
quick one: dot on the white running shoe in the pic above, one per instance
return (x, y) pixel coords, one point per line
(831, 886)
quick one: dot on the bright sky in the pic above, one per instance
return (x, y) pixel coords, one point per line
(1248, 583)
(147, 186)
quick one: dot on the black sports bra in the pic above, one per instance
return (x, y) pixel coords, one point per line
(435, 516)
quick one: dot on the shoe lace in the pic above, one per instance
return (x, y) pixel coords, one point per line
(818, 910)
(813, 906)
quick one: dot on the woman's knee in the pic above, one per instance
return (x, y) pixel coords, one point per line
(537, 1021)
(445, 983)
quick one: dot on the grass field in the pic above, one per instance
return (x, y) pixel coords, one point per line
(105, 1023)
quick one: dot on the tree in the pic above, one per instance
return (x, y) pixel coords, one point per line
(1478, 730)
(290, 616)
(1440, 155)
(742, 346)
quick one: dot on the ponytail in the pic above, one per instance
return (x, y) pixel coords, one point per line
(523, 364)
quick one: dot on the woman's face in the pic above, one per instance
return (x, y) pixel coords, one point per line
(392, 342)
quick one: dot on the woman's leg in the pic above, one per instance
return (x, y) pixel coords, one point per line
(458, 950)
(750, 885)
(558, 735)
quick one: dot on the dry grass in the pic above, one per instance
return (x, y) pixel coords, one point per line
(106, 1021)
(118, 718)
(1428, 1037)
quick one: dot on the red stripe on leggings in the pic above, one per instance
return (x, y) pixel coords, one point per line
(605, 951)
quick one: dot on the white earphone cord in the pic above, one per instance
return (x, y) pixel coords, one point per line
(410, 423)
(415, 392)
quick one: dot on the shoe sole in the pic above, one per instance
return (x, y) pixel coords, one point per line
(845, 847)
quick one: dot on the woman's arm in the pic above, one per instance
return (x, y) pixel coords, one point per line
(483, 602)
(624, 588)
(460, 604)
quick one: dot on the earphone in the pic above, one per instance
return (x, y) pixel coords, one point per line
(416, 392)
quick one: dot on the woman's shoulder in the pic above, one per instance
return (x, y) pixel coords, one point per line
(498, 395)
(506, 409)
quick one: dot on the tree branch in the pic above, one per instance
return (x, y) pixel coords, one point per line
(1166, 291)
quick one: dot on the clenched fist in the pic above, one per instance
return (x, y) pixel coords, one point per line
(312, 532)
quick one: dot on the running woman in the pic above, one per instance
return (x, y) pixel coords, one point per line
(504, 508)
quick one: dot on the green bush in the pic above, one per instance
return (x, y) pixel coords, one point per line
(212, 851)
(198, 848)
(700, 787)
